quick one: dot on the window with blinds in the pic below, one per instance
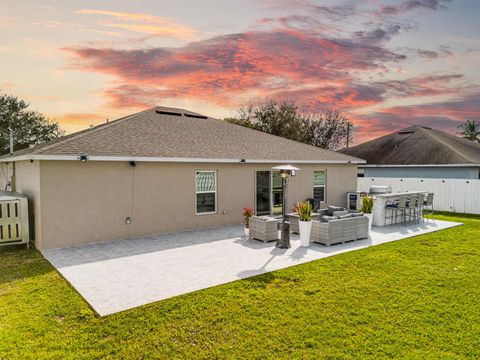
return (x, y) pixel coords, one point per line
(206, 191)
(318, 187)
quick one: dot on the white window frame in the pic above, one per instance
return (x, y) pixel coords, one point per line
(319, 186)
(206, 192)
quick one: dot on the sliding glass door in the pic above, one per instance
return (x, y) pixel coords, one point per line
(263, 192)
(268, 193)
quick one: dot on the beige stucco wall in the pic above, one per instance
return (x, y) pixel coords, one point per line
(85, 202)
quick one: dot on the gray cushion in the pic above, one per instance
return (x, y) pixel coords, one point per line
(332, 209)
(346, 216)
(326, 218)
(339, 213)
(357, 214)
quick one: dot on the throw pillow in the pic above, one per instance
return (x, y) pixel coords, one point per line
(332, 209)
(357, 214)
(326, 218)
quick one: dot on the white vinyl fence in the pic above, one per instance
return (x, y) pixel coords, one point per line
(456, 195)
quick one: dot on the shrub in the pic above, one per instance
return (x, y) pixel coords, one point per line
(305, 211)
(367, 204)
(247, 214)
(295, 207)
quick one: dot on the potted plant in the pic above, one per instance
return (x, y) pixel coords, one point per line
(305, 222)
(367, 209)
(247, 214)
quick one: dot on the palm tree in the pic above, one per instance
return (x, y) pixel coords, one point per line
(471, 130)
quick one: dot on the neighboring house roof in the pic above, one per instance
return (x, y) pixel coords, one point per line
(417, 145)
(169, 134)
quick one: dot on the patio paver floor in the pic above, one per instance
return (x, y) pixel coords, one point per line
(118, 275)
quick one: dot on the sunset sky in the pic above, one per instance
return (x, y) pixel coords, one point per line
(384, 64)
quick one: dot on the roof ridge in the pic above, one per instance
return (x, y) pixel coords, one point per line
(372, 140)
(284, 138)
(437, 138)
(80, 134)
(464, 141)
(182, 137)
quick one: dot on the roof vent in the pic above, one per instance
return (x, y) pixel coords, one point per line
(164, 112)
(406, 132)
(195, 116)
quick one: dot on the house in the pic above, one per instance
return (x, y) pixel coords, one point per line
(165, 170)
(418, 152)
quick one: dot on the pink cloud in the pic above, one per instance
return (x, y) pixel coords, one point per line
(224, 69)
(295, 59)
(443, 115)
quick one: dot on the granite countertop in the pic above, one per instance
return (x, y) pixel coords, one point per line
(400, 194)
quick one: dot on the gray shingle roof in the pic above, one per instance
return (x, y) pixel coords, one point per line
(417, 145)
(160, 135)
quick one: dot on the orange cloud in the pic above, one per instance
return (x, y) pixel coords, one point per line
(80, 120)
(144, 23)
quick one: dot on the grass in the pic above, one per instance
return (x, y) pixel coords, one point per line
(417, 298)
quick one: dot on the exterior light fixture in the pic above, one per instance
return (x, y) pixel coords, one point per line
(132, 163)
(83, 158)
(285, 172)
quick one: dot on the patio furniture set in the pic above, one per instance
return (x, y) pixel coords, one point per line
(408, 207)
(334, 225)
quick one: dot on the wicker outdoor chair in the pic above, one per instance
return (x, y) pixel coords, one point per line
(263, 228)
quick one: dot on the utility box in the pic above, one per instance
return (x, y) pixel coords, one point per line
(13, 219)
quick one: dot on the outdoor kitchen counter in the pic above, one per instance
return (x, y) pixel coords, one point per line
(380, 201)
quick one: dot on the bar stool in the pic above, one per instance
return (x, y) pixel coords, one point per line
(427, 206)
(396, 206)
(413, 205)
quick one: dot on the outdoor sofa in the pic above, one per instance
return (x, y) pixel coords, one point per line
(329, 226)
(339, 227)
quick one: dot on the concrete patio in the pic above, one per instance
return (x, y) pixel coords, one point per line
(118, 275)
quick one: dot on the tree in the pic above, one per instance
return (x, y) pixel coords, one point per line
(281, 119)
(29, 127)
(471, 130)
(328, 130)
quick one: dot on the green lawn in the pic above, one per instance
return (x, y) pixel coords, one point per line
(418, 298)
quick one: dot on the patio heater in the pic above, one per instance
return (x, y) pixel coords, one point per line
(285, 172)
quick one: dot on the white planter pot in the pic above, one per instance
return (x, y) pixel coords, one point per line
(370, 220)
(246, 231)
(305, 228)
